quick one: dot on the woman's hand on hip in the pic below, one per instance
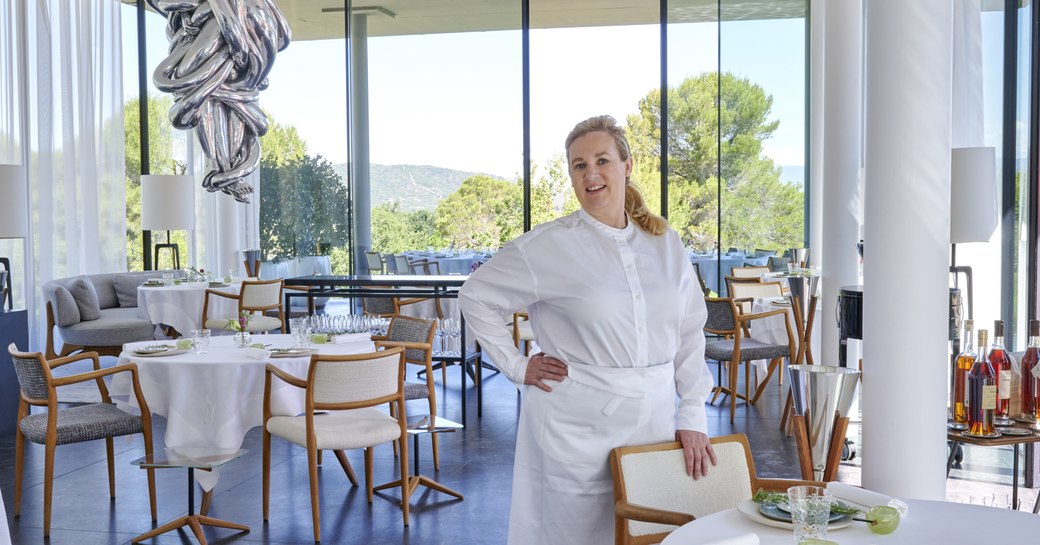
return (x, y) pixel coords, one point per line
(541, 368)
(697, 451)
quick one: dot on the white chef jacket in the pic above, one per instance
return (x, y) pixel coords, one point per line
(598, 296)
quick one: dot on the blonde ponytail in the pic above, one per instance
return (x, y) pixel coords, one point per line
(637, 210)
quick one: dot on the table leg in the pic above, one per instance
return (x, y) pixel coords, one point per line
(1014, 483)
(953, 451)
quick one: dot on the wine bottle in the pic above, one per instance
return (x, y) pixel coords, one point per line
(961, 368)
(982, 391)
(1030, 392)
(1002, 364)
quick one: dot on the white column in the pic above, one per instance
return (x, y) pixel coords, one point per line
(907, 209)
(817, 49)
(842, 125)
(362, 196)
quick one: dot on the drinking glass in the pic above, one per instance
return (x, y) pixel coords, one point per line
(810, 509)
(883, 519)
(200, 340)
(167, 279)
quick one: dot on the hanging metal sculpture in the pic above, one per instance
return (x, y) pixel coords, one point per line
(220, 54)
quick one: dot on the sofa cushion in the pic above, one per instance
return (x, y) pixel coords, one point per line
(126, 289)
(106, 293)
(82, 290)
(116, 326)
(66, 312)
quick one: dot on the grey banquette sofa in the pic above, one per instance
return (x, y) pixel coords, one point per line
(96, 312)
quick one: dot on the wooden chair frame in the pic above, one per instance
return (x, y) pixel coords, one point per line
(517, 318)
(737, 334)
(250, 309)
(311, 406)
(24, 404)
(625, 511)
(382, 341)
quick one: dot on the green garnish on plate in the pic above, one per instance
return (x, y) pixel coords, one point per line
(781, 498)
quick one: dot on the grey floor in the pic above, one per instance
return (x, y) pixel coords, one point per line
(476, 461)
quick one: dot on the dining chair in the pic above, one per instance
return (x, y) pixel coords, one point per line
(700, 279)
(745, 293)
(653, 495)
(415, 335)
(778, 264)
(350, 386)
(763, 253)
(522, 332)
(749, 272)
(74, 424)
(374, 262)
(731, 280)
(725, 320)
(255, 298)
(425, 266)
(401, 264)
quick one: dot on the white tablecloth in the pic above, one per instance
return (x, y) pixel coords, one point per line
(181, 306)
(211, 400)
(928, 522)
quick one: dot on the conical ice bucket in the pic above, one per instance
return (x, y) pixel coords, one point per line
(820, 392)
(803, 288)
(251, 257)
(798, 256)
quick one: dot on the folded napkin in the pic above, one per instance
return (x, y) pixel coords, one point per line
(256, 353)
(745, 539)
(347, 338)
(866, 498)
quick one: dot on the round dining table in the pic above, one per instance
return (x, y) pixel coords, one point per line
(180, 306)
(927, 522)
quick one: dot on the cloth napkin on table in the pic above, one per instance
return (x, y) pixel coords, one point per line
(866, 498)
(351, 338)
(256, 353)
(745, 539)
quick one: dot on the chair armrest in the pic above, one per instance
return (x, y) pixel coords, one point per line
(286, 377)
(403, 302)
(642, 513)
(403, 344)
(781, 485)
(225, 295)
(296, 288)
(93, 375)
(76, 357)
(379, 338)
(759, 315)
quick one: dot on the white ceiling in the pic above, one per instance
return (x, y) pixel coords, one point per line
(309, 19)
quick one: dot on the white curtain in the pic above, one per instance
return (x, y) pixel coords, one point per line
(69, 132)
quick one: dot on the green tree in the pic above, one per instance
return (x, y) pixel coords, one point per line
(303, 206)
(758, 209)
(483, 212)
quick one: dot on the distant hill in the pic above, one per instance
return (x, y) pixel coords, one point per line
(413, 187)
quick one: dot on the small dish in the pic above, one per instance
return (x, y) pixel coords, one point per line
(218, 285)
(749, 509)
(993, 435)
(159, 353)
(1021, 432)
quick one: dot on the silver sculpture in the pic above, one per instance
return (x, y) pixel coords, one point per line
(220, 54)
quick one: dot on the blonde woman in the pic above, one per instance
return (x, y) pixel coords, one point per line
(616, 309)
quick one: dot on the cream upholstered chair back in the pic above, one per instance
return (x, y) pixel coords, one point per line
(758, 290)
(749, 272)
(336, 382)
(654, 476)
(261, 294)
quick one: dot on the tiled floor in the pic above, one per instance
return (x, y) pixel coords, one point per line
(476, 462)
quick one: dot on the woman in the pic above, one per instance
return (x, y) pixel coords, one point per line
(619, 315)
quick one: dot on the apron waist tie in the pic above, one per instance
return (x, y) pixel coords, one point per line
(623, 382)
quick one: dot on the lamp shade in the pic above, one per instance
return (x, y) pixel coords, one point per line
(167, 202)
(14, 219)
(973, 195)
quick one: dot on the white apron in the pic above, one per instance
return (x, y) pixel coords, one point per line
(562, 489)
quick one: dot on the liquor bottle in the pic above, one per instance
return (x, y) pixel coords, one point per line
(961, 369)
(1002, 364)
(982, 391)
(1030, 392)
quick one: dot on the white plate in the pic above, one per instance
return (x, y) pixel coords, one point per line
(156, 354)
(749, 509)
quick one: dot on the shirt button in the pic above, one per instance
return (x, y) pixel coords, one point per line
(638, 296)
